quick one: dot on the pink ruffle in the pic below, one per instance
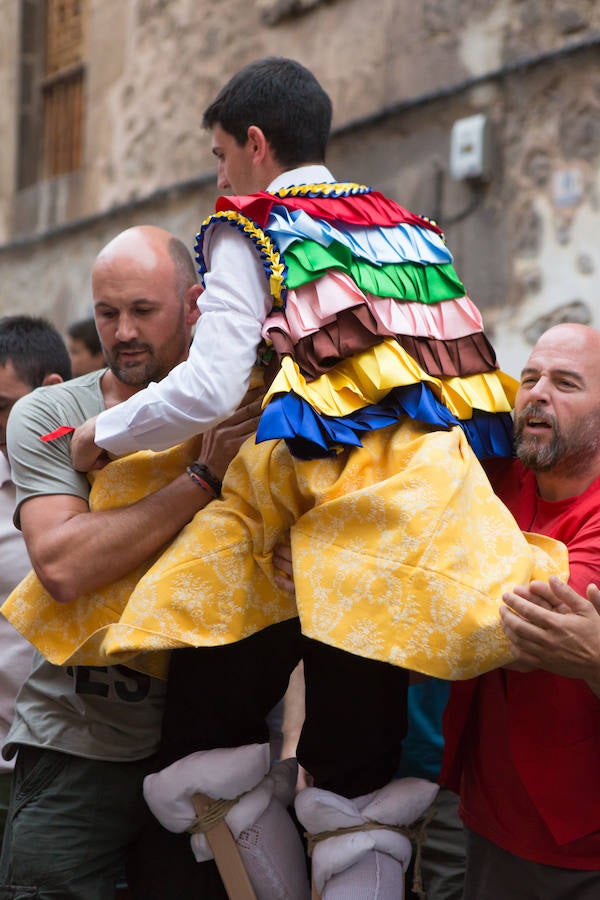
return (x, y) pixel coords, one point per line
(318, 302)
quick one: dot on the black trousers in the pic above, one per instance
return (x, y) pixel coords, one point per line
(221, 697)
(355, 707)
(161, 865)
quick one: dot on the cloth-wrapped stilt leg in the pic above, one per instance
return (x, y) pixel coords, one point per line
(233, 787)
(376, 875)
(271, 848)
(358, 850)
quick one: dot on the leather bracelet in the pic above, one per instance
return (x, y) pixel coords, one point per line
(204, 478)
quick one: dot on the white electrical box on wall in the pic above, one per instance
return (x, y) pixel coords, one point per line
(471, 148)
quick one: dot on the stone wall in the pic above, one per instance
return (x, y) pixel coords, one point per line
(399, 74)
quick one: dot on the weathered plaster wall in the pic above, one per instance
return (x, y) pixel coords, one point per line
(52, 278)
(8, 106)
(523, 243)
(552, 204)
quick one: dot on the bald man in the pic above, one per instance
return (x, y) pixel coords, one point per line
(523, 745)
(85, 737)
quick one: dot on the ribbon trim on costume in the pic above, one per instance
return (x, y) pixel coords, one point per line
(325, 189)
(273, 263)
(356, 330)
(317, 303)
(366, 378)
(310, 435)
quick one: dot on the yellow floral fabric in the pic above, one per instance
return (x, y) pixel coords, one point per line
(55, 628)
(401, 553)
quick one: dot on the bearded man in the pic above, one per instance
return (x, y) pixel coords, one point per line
(522, 746)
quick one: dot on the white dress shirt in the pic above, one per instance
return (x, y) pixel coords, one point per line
(209, 385)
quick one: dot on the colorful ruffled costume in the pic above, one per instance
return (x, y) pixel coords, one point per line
(370, 322)
(386, 392)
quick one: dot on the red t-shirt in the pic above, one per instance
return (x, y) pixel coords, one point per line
(524, 749)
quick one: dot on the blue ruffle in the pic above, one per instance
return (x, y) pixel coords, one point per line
(310, 435)
(402, 243)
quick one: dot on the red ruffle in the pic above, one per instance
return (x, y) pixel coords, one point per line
(355, 209)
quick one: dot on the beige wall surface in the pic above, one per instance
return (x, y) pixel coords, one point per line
(399, 73)
(8, 111)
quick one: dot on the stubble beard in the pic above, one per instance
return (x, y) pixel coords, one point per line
(537, 455)
(571, 452)
(136, 374)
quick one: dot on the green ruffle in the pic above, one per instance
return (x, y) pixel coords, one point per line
(307, 260)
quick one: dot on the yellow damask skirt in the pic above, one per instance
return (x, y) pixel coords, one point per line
(401, 553)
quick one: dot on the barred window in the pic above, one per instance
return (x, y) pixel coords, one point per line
(52, 88)
(63, 87)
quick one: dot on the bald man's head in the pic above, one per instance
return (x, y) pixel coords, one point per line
(557, 410)
(145, 293)
(571, 337)
(150, 244)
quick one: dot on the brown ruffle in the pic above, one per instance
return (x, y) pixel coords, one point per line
(469, 355)
(355, 330)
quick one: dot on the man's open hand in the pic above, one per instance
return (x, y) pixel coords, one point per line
(552, 627)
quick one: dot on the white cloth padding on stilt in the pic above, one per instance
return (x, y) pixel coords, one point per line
(398, 804)
(222, 774)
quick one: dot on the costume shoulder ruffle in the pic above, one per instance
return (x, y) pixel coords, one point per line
(370, 321)
(354, 204)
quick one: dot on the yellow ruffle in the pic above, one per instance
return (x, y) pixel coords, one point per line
(401, 552)
(367, 377)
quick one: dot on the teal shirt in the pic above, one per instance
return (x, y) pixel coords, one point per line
(423, 745)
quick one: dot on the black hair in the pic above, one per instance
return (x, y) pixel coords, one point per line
(85, 331)
(285, 100)
(35, 349)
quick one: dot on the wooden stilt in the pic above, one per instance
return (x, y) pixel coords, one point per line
(226, 854)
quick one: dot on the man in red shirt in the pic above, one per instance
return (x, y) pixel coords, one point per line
(523, 745)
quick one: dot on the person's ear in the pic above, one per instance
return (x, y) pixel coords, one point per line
(52, 378)
(258, 145)
(192, 313)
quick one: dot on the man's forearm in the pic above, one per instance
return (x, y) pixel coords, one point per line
(93, 549)
(74, 550)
